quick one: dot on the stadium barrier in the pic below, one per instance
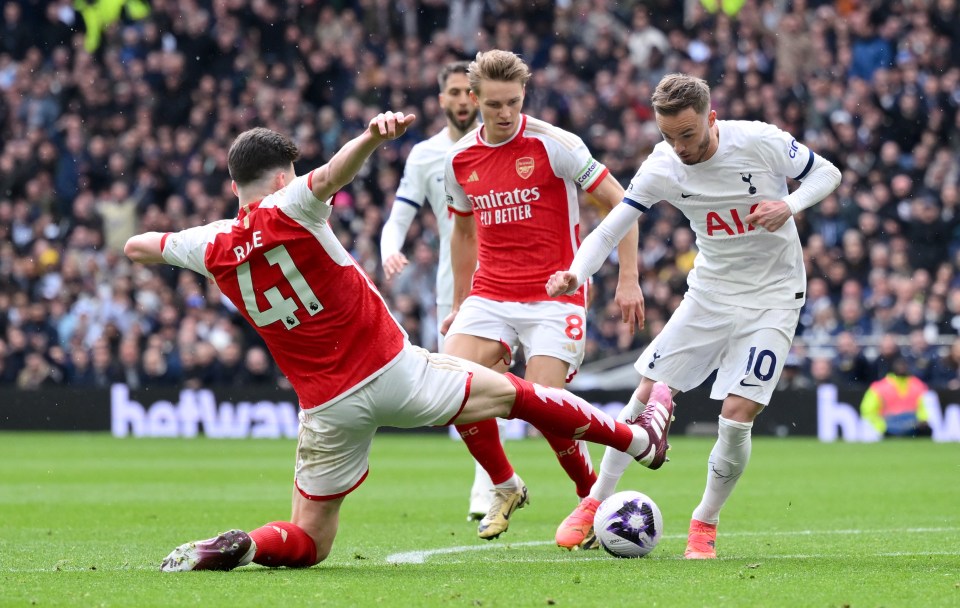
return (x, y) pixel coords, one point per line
(259, 412)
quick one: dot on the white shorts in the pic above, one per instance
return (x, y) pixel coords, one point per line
(420, 389)
(553, 329)
(746, 346)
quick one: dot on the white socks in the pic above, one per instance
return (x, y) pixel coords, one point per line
(728, 460)
(615, 462)
(513, 484)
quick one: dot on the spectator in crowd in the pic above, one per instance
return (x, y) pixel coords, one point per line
(258, 368)
(80, 372)
(793, 376)
(7, 375)
(920, 355)
(851, 366)
(37, 372)
(896, 404)
(129, 370)
(822, 371)
(230, 363)
(946, 371)
(137, 131)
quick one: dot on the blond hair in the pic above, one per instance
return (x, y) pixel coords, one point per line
(501, 66)
(677, 92)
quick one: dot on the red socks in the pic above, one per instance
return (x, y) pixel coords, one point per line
(560, 412)
(575, 460)
(280, 543)
(483, 440)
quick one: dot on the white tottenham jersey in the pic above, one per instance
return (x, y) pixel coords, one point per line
(423, 180)
(737, 264)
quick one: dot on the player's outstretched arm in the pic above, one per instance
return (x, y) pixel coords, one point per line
(145, 248)
(393, 235)
(629, 297)
(597, 246)
(346, 163)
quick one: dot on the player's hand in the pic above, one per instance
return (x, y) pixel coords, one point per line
(390, 125)
(393, 264)
(562, 282)
(769, 215)
(447, 322)
(630, 300)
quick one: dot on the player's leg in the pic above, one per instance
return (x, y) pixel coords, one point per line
(557, 411)
(507, 491)
(431, 389)
(480, 333)
(482, 437)
(682, 355)
(303, 541)
(572, 454)
(614, 464)
(552, 334)
(481, 492)
(746, 379)
(576, 530)
(687, 350)
(553, 337)
(727, 462)
(332, 461)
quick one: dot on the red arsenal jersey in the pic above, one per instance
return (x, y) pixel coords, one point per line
(522, 193)
(281, 265)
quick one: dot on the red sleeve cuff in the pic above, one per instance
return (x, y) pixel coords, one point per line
(460, 213)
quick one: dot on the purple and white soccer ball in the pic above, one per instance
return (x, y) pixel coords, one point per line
(628, 524)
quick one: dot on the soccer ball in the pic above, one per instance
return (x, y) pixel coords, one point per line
(628, 524)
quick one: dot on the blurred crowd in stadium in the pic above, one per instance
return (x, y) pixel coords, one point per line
(117, 123)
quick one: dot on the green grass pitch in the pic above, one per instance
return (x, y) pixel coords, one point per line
(86, 519)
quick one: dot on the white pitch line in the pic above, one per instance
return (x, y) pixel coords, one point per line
(421, 556)
(418, 557)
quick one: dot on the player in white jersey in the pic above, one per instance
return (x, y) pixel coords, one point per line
(748, 283)
(328, 328)
(513, 187)
(423, 181)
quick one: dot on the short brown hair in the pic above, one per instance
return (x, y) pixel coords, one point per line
(676, 92)
(502, 66)
(457, 67)
(257, 151)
